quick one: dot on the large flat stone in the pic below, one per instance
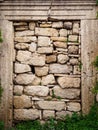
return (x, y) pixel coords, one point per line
(41, 71)
(24, 33)
(73, 106)
(59, 39)
(26, 39)
(48, 114)
(43, 41)
(22, 46)
(45, 50)
(60, 44)
(57, 24)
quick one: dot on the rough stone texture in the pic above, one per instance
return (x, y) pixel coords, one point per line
(46, 31)
(47, 50)
(22, 46)
(58, 68)
(60, 44)
(26, 39)
(48, 114)
(63, 33)
(26, 114)
(22, 102)
(62, 58)
(73, 106)
(32, 47)
(68, 82)
(51, 58)
(41, 71)
(77, 70)
(24, 79)
(57, 24)
(22, 68)
(76, 28)
(45, 25)
(74, 61)
(49, 79)
(61, 114)
(51, 105)
(73, 38)
(68, 25)
(36, 81)
(36, 90)
(73, 49)
(66, 93)
(18, 90)
(31, 25)
(43, 41)
(24, 33)
(60, 39)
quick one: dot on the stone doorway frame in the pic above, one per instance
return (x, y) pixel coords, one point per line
(89, 50)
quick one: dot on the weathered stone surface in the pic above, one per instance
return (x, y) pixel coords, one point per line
(43, 41)
(26, 39)
(23, 56)
(58, 68)
(62, 50)
(41, 71)
(62, 58)
(76, 28)
(24, 79)
(51, 58)
(22, 46)
(66, 93)
(19, 23)
(60, 44)
(73, 38)
(22, 102)
(68, 82)
(26, 114)
(21, 68)
(18, 90)
(24, 33)
(36, 81)
(74, 61)
(31, 25)
(33, 47)
(45, 25)
(61, 39)
(77, 70)
(46, 31)
(97, 97)
(57, 24)
(51, 105)
(21, 28)
(68, 25)
(73, 49)
(36, 91)
(47, 50)
(49, 79)
(47, 114)
(60, 114)
(37, 60)
(63, 32)
(74, 106)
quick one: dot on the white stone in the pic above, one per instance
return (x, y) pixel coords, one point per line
(73, 49)
(24, 79)
(22, 46)
(76, 28)
(73, 38)
(63, 32)
(22, 102)
(36, 91)
(31, 25)
(18, 90)
(73, 106)
(68, 25)
(60, 44)
(41, 71)
(66, 93)
(51, 105)
(57, 24)
(36, 81)
(48, 114)
(68, 82)
(46, 50)
(43, 41)
(26, 39)
(22, 68)
(59, 39)
(62, 58)
(26, 114)
(48, 79)
(74, 61)
(24, 33)
(58, 68)
(46, 31)
(32, 47)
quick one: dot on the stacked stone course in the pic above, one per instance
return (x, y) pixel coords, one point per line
(47, 77)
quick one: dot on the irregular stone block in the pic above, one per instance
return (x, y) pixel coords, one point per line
(68, 82)
(46, 50)
(74, 61)
(24, 79)
(51, 105)
(26, 114)
(24, 33)
(76, 28)
(43, 41)
(22, 102)
(19, 23)
(51, 58)
(45, 25)
(31, 25)
(60, 44)
(68, 25)
(46, 31)
(74, 106)
(48, 114)
(66, 93)
(41, 71)
(57, 24)
(60, 114)
(26, 39)
(58, 68)
(22, 68)
(21, 28)
(73, 49)
(36, 81)
(49, 79)
(18, 90)
(36, 91)
(62, 58)
(22, 46)
(60, 39)
(63, 32)
(32, 47)
(77, 70)
(73, 38)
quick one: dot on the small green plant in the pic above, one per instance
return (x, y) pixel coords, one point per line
(96, 2)
(95, 63)
(95, 88)
(1, 40)
(97, 15)
(54, 96)
(1, 90)
(80, 65)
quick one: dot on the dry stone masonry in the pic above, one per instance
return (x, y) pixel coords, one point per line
(47, 75)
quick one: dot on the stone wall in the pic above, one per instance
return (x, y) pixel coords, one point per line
(47, 74)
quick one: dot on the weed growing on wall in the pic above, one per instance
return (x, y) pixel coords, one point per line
(97, 2)
(1, 40)
(96, 62)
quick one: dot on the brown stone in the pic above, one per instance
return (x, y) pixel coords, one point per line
(59, 39)
(60, 44)
(41, 71)
(51, 58)
(18, 90)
